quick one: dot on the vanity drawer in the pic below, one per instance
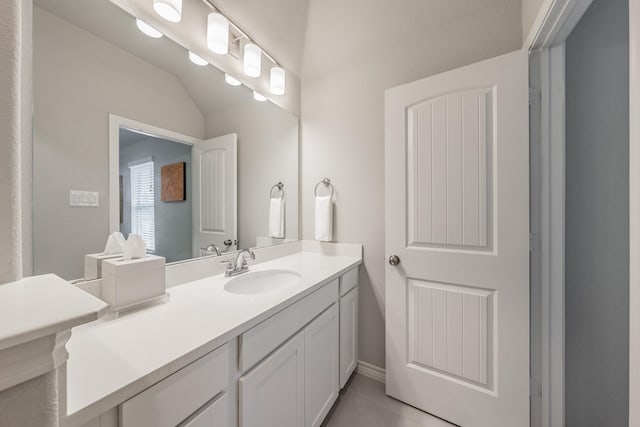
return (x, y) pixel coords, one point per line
(348, 281)
(181, 394)
(258, 342)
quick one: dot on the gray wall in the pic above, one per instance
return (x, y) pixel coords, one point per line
(172, 219)
(78, 80)
(597, 219)
(345, 73)
(267, 154)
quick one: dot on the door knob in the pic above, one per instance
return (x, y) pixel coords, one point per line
(394, 260)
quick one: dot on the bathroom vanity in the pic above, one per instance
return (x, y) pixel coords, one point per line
(246, 351)
(270, 347)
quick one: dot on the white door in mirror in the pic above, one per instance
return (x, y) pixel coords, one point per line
(214, 193)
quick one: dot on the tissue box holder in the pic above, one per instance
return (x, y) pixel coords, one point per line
(93, 264)
(129, 283)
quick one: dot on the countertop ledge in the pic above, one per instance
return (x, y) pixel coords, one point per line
(44, 305)
(111, 361)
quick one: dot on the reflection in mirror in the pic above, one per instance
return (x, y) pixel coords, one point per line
(92, 64)
(147, 163)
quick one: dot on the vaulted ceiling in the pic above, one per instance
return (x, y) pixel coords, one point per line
(351, 28)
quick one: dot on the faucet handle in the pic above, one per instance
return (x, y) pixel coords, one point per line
(231, 267)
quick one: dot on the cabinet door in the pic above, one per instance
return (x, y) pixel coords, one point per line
(321, 366)
(272, 394)
(172, 400)
(348, 335)
(215, 414)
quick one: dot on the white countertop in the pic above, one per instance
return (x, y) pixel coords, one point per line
(38, 306)
(111, 361)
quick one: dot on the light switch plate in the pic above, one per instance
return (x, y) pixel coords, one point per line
(84, 198)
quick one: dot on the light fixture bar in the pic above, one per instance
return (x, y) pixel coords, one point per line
(238, 29)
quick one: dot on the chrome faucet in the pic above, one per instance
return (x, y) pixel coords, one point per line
(238, 264)
(213, 248)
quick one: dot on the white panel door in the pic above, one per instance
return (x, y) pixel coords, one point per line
(272, 393)
(215, 184)
(457, 218)
(322, 372)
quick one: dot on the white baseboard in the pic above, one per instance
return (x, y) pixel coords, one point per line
(372, 371)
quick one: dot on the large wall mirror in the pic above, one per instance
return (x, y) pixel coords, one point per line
(131, 136)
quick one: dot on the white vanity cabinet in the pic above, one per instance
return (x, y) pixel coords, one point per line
(214, 414)
(286, 371)
(321, 344)
(194, 396)
(297, 384)
(348, 325)
(272, 394)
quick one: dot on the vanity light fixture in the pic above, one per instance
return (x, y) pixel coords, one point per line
(258, 97)
(231, 80)
(252, 60)
(221, 29)
(148, 29)
(277, 80)
(197, 59)
(218, 33)
(171, 10)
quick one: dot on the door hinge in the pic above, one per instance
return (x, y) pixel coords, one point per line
(535, 95)
(535, 389)
(535, 242)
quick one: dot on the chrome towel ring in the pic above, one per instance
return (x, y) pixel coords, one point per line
(280, 187)
(327, 184)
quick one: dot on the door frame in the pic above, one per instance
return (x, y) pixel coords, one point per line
(115, 123)
(634, 214)
(554, 22)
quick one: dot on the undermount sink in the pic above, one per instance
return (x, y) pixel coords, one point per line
(258, 282)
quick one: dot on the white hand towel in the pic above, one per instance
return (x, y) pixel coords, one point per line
(134, 248)
(324, 220)
(276, 218)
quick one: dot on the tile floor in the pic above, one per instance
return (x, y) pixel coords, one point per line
(363, 403)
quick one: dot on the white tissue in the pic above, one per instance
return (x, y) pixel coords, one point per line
(134, 248)
(115, 244)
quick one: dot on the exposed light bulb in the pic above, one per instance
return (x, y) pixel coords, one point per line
(171, 10)
(277, 81)
(258, 97)
(252, 60)
(197, 59)
(148, 29)
(231, 80)
(218, 33)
